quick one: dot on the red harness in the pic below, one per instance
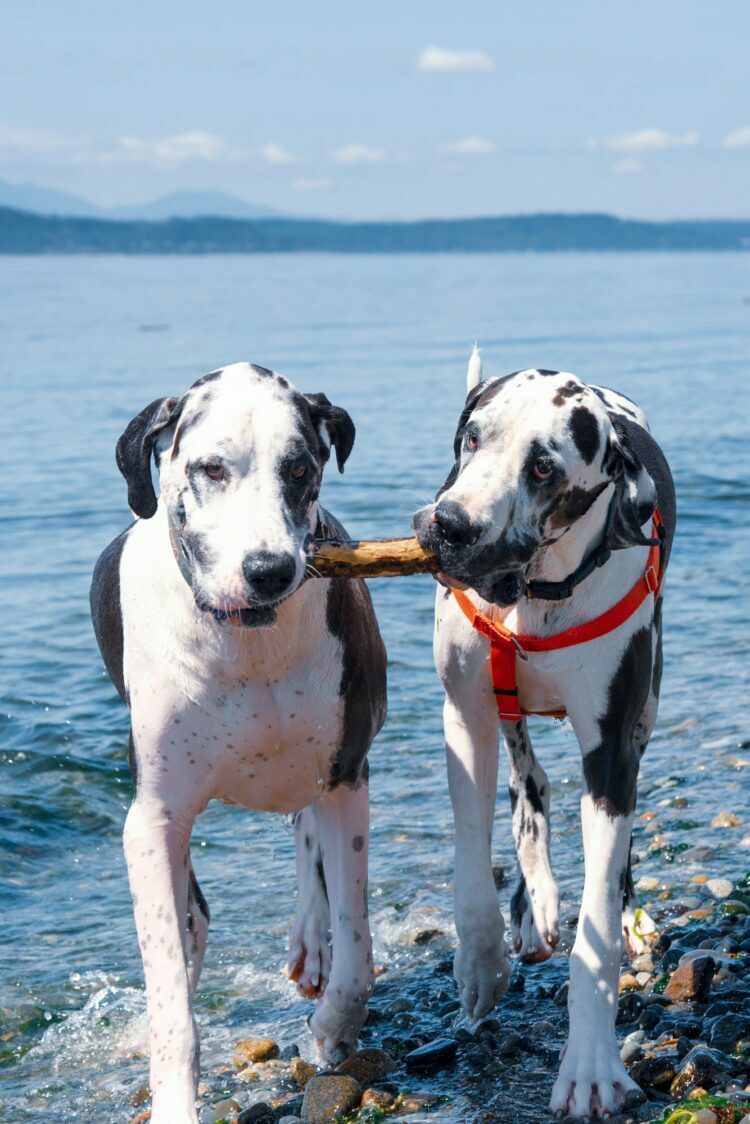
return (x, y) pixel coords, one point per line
(505, 645)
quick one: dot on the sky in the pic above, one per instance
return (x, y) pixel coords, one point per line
(403, 109)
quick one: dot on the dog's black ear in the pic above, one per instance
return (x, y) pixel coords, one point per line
(635, 489)
(135, 448)
(337, 424)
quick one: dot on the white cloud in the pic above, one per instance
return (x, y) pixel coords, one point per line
(470, 146)
(441, 60)
(628, 166)
(740, 138)
(35, 141)
(646, 139)
(311, 185)
(358, 154)
(274, 153)
(178, 149)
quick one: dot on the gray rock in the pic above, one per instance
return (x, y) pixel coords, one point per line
(432, 1056)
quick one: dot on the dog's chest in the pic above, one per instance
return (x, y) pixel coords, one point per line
(274, 743)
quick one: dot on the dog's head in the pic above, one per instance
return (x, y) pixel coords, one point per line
(240, 460)
(533, 452)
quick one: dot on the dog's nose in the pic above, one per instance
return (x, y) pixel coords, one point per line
(454, 524)
(268, 575)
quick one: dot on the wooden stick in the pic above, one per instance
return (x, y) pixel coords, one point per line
(386, 558)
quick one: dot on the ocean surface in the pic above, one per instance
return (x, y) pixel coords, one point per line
(85, 343)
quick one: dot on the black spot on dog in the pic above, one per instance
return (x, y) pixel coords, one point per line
(547, 374)
(186, 424)
(533, 797)
(518, 902)
(350, 617)
(358, 843)
(568, 391)
(584, 429)
(196, 895)
(513, 795)
(611, 770)
(574, 503)
(212, 376)
(106, 611)
(263, 371)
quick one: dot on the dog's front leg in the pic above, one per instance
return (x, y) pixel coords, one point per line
(593, 1080)
(309, 960)
(481, 964)
(534, 905)
(156, 840)
(343, 826)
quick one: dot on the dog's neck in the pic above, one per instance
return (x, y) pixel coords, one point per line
(561, 558)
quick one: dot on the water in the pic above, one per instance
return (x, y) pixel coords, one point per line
(84, 344)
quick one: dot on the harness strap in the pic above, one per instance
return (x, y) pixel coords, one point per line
(505, 645)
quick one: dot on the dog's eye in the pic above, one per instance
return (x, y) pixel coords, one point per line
(299, 470)
(214, 470)
(543, 468)
(472, 440)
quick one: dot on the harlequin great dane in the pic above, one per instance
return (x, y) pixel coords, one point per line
(546, 521)
(245, 683)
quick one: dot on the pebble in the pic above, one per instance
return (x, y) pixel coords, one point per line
(726, 819)
(719, 888)
(226, 1110)
(368, 1065)
(261, 1113)
(627, 982)
(254, 1050)
(397, 1007)
(691, 980)
(511, 1044)
(302, 1071)
(329, 1095)
(431, 1056)
(377, 1098)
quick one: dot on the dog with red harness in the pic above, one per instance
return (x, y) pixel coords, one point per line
(553, 533)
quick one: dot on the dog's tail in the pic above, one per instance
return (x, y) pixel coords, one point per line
(474, 371)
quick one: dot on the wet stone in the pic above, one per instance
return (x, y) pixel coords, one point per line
(302, 1071)
(374, 1097)
(432, 1056)
(510, 1045)
(719, 888)
(691, 980)
(329, 1095)
(656, 1072)
(367, 1065)
(701, 1067)
(255, 1050)
(256, 1114)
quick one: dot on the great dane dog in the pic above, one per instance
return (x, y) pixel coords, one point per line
(546, 521)
(246, 683)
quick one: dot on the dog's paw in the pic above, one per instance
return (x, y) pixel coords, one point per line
(639, 930)
(336, 1023)
(309, 961)
(534, 924)
(173, 1105)
(482, 976)
(592, 1081)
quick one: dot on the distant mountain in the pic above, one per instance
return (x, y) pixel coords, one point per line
(178, 204)
(24, 233)
(192, 204)
(45, 201)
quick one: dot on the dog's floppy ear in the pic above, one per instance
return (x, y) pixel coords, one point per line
(335, 423)
(635, 490)
(134, 450)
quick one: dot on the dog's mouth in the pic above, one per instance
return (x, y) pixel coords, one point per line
(496, 573)
(247, 616)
